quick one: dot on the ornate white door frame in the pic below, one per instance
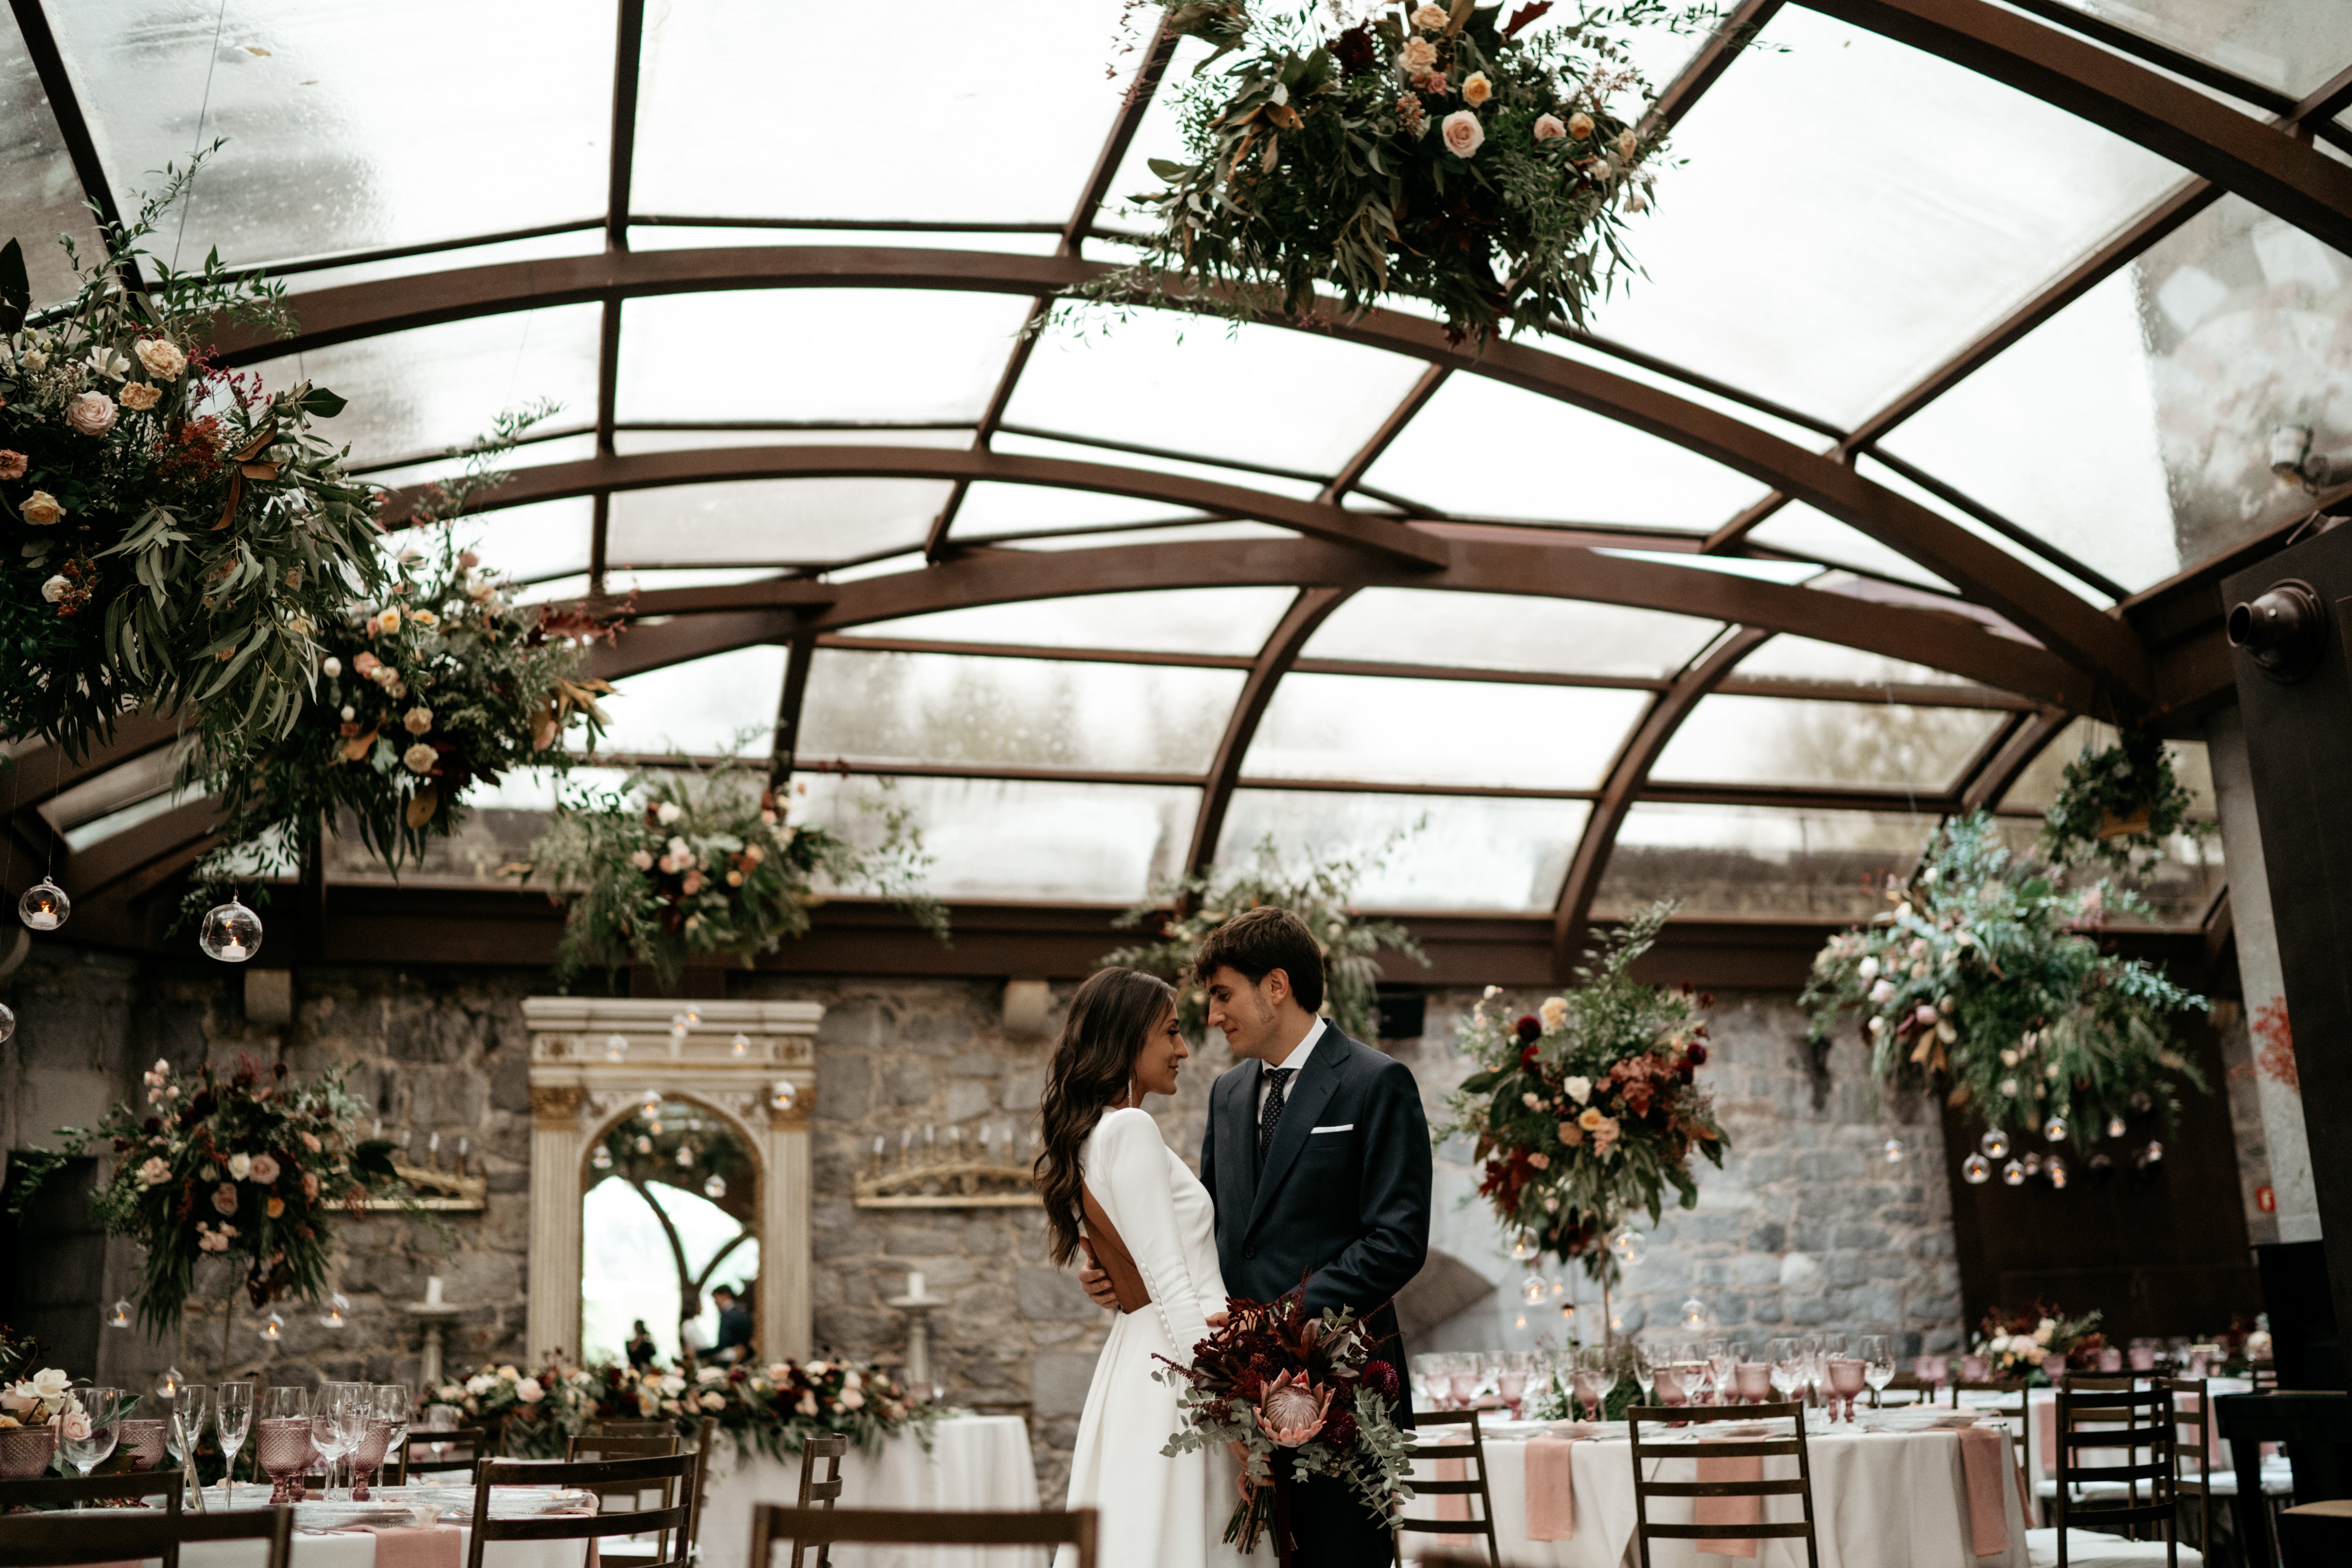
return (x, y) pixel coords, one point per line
(578, 1090)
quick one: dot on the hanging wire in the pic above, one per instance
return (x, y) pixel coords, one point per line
(188, 199)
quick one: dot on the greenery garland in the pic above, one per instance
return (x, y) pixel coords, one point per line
(1982, 978)
(1323, 895)
(1445, 156)
(2119, 805)
(436, 687)
(1587, 1111)
(250, 1169)
(171, 534)
(682, 863)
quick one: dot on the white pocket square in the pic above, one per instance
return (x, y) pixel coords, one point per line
(1343, 1127)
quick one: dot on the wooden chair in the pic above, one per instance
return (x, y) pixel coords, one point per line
(706, 1436)
(2193, 1448)
(772, 1523)
(630, 1428)
(2015, 1407)
(627, 1497)
(42, 1539)
(820, 1494)
(1474, 1456)
(2129, 1420)
(475, 1440)
(1745, 1449)
(77, 1491)
(670, 1472)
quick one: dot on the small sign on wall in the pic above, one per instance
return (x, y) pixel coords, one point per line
(2266, 1199)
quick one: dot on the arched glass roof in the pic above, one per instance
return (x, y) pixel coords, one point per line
(1964, 334)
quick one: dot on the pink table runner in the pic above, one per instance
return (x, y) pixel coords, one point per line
(409, 1546)
(1984, 1457)
(1551, 1488)
(1728, 1510)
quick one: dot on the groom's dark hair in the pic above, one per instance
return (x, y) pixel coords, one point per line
(1260, 941)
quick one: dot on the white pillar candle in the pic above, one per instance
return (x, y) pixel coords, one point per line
(432, 1290)
(914, 1283)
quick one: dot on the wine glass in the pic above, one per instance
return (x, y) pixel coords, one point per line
(1720, 1360)
(1646, 1371)
(1788, 1367)
(393, 1407)
(1877, 1365)
(1845, 1381)
(143, 1433)
(334, 1417)
(87, 1439)
(233, 1408)
(189, 1406)
(1463, 1375)
(283, 1440)
(1511, 1379)
(1429, 1378)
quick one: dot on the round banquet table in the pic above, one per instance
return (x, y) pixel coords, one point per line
(976, 1462)
(356, 1548)
(1881, 1499)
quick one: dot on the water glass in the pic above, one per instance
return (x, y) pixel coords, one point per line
(1845, 1381)
(335, 1416)
(1430, 1384)
(233, 1414)
(1877, 1365)
(393, 1405)
(87, 1439)
(189, 1408)
(1720, 1360)
(1755, 1381)
(1788, 1367)
(1511, 1380)
(442, 1418)
(283, 1443)
(1462, 1378)
(1646, 1371)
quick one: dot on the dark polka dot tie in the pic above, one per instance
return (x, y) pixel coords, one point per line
(1277, 1077)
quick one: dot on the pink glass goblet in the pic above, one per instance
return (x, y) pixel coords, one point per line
(1670, 1386)
(1975, 1369)
(1754, 1381)
(283, 1448)
(1511, 1385)
(2142, 1358)
(141, 1442)
(1589, 1392)
(2111, 1359)
(368, 1457)
(1845, 1381)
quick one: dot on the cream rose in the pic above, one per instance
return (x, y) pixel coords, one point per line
(41, 509)
(1462, 134)
(1476, 90)
(1579, 1090)
(1419, 57)
(416, 720)
(139, 397)
(49, 1385)
(265, 1169)
(330, 666)
(154, 1173)
(56, 589)
(419, 758)
(1579, 125)
(1431, 19)
(90, 414)
(160, 356)
(529, 1391)
(240, 1166)
(1627, 145)
(1550, 129)
(388, 622)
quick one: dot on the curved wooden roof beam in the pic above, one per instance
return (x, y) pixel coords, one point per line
(2101, 645)
(1306, 614)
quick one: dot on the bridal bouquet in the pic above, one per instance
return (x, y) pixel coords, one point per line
(1589, 1109)
(250, 1169)
(1442, 153)
(1302, 1396)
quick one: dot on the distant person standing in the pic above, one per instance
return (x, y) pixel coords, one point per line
(734, 1327)
(642, 1350)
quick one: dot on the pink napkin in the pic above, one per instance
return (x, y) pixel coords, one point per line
(1552, 1489)
(2045, 1436)
(1728, 1510)
(1984, 1455)
(410, 1546)
(1454, 1505)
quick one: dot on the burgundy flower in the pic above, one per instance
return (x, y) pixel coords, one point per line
(1381, 1378)
(278, 1069)
(1292, 1410)
(1696, 1054)
(1530, 1028)
(1354, 50)
(1341, 1431)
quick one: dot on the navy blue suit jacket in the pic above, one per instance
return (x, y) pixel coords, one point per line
(1347, 1207)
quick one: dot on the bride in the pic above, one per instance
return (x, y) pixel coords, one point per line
(1113, 1187)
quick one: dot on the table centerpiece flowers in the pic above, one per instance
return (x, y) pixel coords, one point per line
(532, 1411)
(770, 1409)
(1587, 1111)
(1301, 1395)
(250, 1168)
(2019, 1342)
(1448, 154)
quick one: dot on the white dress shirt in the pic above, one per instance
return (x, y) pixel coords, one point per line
(1295, 1060)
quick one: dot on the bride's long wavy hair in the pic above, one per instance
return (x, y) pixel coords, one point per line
(1110, 1017)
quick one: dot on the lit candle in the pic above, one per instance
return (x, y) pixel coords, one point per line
(433, 1145)
(379, 1128)
(432, 1290)
(914, 1283)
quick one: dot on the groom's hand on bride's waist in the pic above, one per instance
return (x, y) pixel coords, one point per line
(1096, 1285)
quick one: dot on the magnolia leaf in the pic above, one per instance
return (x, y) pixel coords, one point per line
(421, 807)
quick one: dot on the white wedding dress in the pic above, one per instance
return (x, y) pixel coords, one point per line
(1156, 1512)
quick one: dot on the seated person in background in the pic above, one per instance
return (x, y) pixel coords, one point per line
(641, 1348)
(734, 1328)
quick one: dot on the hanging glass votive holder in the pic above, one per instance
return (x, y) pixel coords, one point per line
(44, 906)
(231, 933)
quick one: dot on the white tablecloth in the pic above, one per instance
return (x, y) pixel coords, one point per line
(976, 1462)
(1881, 1499)
(350, 1549)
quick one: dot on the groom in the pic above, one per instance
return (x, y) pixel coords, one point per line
(1317, 1158)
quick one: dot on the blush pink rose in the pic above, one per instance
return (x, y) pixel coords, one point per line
(154, 1173)
(265, 1169)
(76, 1426)
(224, 1197)
(12, 465)
(1462, 134)
(1550, 129)
(90, 414)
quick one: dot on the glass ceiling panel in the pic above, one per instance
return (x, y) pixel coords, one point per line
(627, 440)
(38, 189)
(1440, 732)
(1786, 741)
(726, 237)
(1082, 452)
(990, 509)
(1538, 458)
(527, 543)
(338, 115)
(1803, 659)
(1755, 861)
(995, 838)
(1161, 620)
(117, 787)
(621, 581)
(1931, 200)
(728, 77)
(1468, 853)
(1878, 472)
(2133, 428)
(1497, 631)
(701, 707)
(1014, 712)
(2037, 788)
(431, 388)
(885, 353)
(2291, 45)
(1248, 392)
(787, 521)
(1801, 530)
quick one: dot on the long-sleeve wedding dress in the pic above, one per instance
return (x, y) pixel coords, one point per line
(1156, 1511)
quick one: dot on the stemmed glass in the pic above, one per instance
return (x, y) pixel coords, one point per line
(1511, 1379)
(234, 1416)
(1720, 1360)
(1461, 1371)
(1845, 1381)
(283, 1440)
(444, 1418)
(186, 1419)
(335, 1418)
(87, 1439)
(1645, 1373)
(1877, 1365)
(1429, 1378)
(1591, 1390)
(1788, 1367)
(393, 1407)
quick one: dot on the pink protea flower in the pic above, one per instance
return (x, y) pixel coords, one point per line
(1291, 1411)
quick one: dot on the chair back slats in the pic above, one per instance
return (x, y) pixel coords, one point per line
(1799, 1486)
(474, 1440)
(2193, 1440)
(78, 1491)
(2110, 1415)
(671, 1474)
(1473, 1456)
(706, 1438)
(821, 1491)
(772, 1523)
(45, 1540)
(630, 1428)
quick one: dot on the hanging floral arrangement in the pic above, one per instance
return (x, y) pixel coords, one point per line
(251, 1169)
(682, 863)
(1587, 1111)
(171, 535)
(2119, 805)
(436, 686)
(1446, 155)
(1982, 981)
(1323, 895)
